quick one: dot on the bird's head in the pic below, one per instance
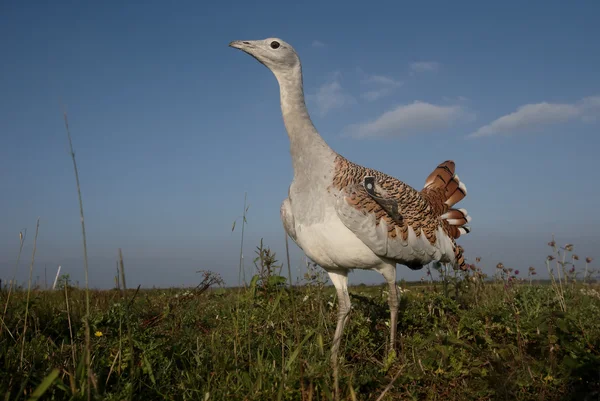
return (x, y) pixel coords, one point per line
(274, 53)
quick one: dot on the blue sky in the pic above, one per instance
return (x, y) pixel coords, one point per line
(171, 126)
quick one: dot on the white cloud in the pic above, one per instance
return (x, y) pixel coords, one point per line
(410, 118)
(318, 43)
(531, 117)
(381, 86)
(425, 66)
(382, 80)
(457, 99)
(331, 96)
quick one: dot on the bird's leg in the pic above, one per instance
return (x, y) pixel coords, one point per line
(340, 281)
(389, 273)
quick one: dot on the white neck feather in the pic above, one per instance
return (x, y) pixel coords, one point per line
(309, 150)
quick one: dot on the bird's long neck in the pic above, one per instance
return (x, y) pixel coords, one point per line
(309, 150)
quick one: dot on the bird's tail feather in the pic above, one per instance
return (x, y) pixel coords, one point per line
(459, 259)
(444, 177)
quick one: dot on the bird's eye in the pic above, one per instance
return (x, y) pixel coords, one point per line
(275, 44)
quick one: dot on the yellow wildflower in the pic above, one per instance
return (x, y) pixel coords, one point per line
(98, 334)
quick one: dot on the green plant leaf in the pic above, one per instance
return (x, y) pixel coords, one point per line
(44, 385)
(148, 369)
(562, 324)
(297, 350)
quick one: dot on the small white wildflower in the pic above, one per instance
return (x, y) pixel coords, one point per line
(305, 298)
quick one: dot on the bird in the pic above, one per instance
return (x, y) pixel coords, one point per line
(345, 216)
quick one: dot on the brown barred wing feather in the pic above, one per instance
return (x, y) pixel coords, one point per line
(409, 232)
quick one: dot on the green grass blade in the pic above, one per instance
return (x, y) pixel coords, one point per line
(44, 385)
(297, 350)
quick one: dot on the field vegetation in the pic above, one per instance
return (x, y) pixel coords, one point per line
(462, 336)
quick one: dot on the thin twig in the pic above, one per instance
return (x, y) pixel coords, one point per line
(127, 315)
(86, 319)
(8, 330)
(242, 271)
(70, 328)
(37, 228)
(296, 325)
(389, 386)
(21, 240)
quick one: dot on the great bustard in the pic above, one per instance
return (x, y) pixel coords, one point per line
(345, 216)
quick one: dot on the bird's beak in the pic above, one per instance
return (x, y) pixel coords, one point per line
(236, 44)
(248, 47)
(244, 45)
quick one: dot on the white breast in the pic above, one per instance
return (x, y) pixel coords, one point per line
(331, 244)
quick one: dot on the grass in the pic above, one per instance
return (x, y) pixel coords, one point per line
(462, 338)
